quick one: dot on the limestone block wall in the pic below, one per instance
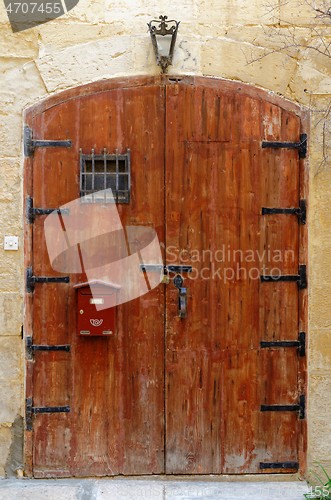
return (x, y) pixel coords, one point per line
(281, 46)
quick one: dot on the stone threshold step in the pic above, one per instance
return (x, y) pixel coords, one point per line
(151, 489)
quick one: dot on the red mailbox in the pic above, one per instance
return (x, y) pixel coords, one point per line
(96, 308)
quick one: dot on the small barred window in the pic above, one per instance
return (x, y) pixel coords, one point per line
(99, 172)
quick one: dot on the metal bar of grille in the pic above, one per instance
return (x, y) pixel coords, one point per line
(105, 173)
(81, 175)
(128, 170)
(116, 168)
(117, 178)
(93, 168)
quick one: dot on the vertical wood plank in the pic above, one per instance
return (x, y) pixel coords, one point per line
(114, 385)
(218, 181)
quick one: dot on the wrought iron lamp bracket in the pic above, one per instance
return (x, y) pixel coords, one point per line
(163, 27)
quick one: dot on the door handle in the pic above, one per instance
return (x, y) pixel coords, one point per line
(182, 297)
(178, 282)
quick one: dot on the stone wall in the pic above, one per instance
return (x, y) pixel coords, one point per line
(278, 45)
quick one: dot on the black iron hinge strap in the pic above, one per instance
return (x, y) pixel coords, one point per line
(300, 408)
(300, 278)
(300, 343)
(33, 410)
(31, 144)
(31, 212)
(301, 212)
(301, 146)
(32, 280)
(279, 465)
(30, 347)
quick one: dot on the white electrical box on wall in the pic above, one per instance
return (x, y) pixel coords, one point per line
(11, 243)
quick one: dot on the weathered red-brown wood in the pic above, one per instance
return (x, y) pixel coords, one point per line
(185, 399)
(114, 386)
(218, 180)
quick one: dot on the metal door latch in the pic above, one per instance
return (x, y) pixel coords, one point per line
(178, 281)
(166, 269)
(182, 298)
(178, 269)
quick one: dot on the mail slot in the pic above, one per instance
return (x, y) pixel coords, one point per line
(96, 308)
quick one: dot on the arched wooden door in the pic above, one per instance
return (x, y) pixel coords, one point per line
(221, 390)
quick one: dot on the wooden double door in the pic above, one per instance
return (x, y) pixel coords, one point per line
(214, 392)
